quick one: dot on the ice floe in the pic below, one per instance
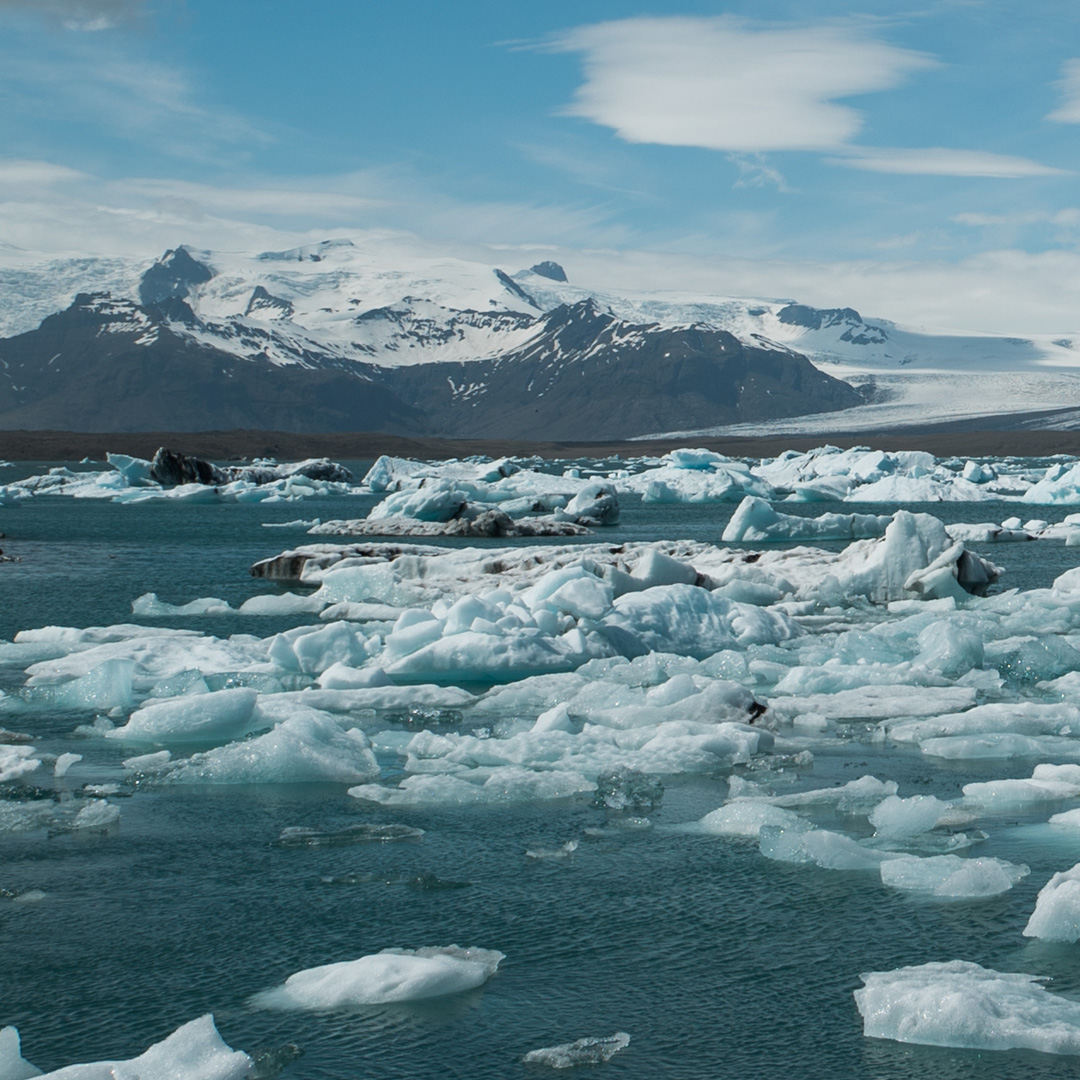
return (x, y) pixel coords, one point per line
(390, 976)
(962, 1004)
(194, 1051)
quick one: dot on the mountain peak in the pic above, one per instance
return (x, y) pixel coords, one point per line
(172, 276)
(551, 270)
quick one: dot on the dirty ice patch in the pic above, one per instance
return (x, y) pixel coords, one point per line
(965, 1005)
(393, 975)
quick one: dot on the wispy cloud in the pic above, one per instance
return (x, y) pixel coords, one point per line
(86, 15)
(1069, 85)
(101, 85)
(725, 84)
(1068, 217)
(942, 161)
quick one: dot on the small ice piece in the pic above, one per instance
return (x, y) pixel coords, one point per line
(589, 1051)
(563, 851)
(894, 818)
(1057, 909)
(747, 817)
(361, 833)
(628, 789)
(951, 877)
(392, 975)
(1047, 782)
(96, 814)
(64, 762)
(965, 1005)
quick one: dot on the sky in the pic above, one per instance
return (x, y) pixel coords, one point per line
(919, 163)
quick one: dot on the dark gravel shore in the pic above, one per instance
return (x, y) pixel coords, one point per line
(945, 441)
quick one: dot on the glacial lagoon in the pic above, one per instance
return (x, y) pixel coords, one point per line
(719, 909)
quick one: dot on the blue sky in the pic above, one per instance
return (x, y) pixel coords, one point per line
(920, 163)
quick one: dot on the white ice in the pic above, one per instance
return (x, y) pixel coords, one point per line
(961, 1004)
(1057, 909)
(393, 975)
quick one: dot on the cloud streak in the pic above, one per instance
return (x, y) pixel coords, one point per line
(749, 89)
(723, 84)
(941, 161)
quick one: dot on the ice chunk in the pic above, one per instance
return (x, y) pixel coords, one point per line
(96, 814)
(589, 1051)
(965, 1005)
(106, 686)
(628, 789)
(361, 833)
(309, 746)
(1057, 910)
(194, 1051)
(13, 1066)
(392, 975)
(951, 877)
(200, 718)
(747, 817)
(148, 606)
(1047, 782)
(895, 818)
(281, 604)
(755, 520)
(64, 762)
(694, 622)
(596, 502)
(830, 850)
(16, 761)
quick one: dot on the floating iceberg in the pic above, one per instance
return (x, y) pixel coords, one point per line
(194, 1051)
(962, 1004)
(1057, 909)
(393, 975)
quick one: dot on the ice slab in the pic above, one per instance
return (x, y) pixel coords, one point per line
(194, 1051)
(393, 975)
(952, 877)
(962, 1004)
(1057, 909)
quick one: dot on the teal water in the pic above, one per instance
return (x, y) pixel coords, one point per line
(717, 962)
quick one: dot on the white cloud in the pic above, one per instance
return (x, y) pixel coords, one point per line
(1068, 217)
(86, 15)
(941, 161)
(1069, 85)
(725, 84)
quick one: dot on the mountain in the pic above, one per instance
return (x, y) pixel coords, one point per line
(335, 337)
(299, 341)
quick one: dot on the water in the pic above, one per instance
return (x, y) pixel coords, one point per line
(716, 961)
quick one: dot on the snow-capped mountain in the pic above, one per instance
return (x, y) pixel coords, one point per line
(333, 337)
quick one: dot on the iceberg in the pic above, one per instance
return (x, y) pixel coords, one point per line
(390, 976)
(962, 1004)
(194, 1051)
(1057, 909)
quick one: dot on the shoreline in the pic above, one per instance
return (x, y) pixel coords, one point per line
(943, 441)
